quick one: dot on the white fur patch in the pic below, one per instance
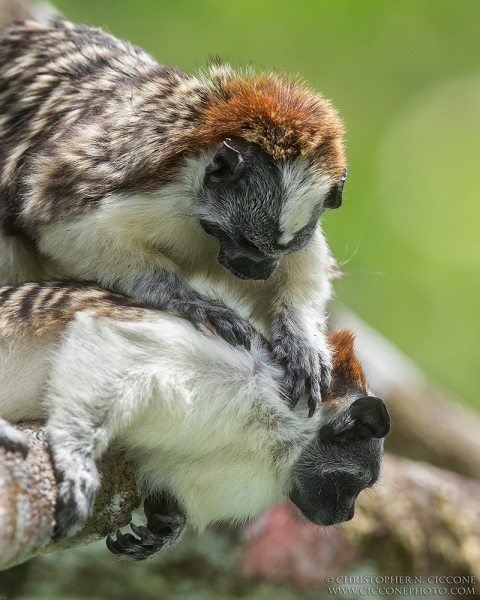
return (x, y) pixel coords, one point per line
(128, 235)
(303, 193)
(205, 420)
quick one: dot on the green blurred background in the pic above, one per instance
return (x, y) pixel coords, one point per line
(405, 76)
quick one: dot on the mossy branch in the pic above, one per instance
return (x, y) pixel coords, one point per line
(28, 495)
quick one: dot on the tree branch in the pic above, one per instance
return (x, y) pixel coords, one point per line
(28, 495)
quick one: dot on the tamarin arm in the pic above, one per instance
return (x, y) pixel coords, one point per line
(166, 290)
(295, 321)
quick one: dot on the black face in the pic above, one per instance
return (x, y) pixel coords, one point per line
(344, 460)
(241, 203)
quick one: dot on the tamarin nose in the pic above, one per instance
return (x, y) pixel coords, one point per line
(250, 268)
(254, 269)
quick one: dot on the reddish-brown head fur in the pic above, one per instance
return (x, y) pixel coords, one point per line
(347, 372)
(282, 115)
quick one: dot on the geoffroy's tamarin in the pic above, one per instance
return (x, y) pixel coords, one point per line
(196, 194)
(207, 424)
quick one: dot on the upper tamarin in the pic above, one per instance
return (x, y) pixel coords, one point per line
(189, 193)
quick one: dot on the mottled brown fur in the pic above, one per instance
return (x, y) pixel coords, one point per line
(84, 115)
(48, 306)
(285, 118)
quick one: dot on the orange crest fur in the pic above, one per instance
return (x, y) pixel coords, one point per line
(347, 372)
(281, 115)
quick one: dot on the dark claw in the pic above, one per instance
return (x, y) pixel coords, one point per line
(325, 380)
(161, 532)
(219, 318)
(113, 546)
(312, 406)
(299, 388)
(168, 521)
(315, 396)
(243, 336)
(128, 546)
(128, 540)
(142, 532)
(229, 326)
(289, 380)
(123, 543)
(226, 333)
(306, 369)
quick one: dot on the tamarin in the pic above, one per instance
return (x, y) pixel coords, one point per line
(199, 194)
(207, 424)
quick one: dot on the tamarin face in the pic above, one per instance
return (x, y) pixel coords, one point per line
(345, 456)
(261, 209)
(342, 461)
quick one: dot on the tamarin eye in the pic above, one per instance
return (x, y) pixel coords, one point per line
(227, 164)
(334, 197)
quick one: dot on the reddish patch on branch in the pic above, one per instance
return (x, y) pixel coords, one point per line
(281, 546)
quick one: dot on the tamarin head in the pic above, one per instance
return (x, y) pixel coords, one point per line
(253, 157)
(345, 457)
(277, 163)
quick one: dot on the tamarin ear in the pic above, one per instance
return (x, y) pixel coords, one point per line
(227, 164)
(368, 418)
(334, 198)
